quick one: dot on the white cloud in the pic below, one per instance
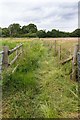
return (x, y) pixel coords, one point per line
(46, 14)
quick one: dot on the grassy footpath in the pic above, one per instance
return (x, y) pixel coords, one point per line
(40, 87)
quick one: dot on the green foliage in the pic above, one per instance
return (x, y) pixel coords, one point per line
(32, 55)
(40, 87)
(0, 31)
(31, 28)
(15, 30)
(41, 34)
(5, 32)
(10, 44)
(57, 33)
(75, 33)
(29, 35)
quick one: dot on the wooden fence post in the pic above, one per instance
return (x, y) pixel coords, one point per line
(78, 60)
(0, 67)
(59, 52)
(21, 49)
(79, 43)
(55, 47)
(74, 63)
(16, 52)
(5, 57)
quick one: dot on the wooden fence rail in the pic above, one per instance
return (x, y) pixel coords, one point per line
(66, 60)
(74, 58)
(14, 49)
(1, 52)
(6, 52)
(5, 55)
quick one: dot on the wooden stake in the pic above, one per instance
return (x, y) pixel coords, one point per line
(55, 47)
(74, 62)
(59, 52)
(5, 57)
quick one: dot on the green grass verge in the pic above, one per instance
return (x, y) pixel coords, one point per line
(40, 87)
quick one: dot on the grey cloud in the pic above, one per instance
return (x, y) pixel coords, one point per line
(69, 16)
(45, 14)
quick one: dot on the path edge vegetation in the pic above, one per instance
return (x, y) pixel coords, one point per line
(42, 75)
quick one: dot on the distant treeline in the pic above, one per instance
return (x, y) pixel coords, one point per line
(15, 30)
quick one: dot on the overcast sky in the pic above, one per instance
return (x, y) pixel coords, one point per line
(46, 14)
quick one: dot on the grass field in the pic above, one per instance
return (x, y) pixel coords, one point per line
(40, 87)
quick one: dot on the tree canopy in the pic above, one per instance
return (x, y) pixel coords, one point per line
(14, 29)
(30, 30)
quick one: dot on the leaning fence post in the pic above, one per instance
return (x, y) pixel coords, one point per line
(5, 57)
(74, 63)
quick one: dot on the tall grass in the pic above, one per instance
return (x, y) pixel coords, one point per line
(40, 87)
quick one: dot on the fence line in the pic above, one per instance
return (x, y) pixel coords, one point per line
(75, 58)
(6, 52)
(14, 49)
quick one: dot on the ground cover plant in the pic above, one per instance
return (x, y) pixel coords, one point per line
(40, 87)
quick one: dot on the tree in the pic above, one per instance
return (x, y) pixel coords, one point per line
(31, 28)
(25, 29)
(14, 29)
(5, 32)
(49, 34)
(41, 33)
(55, 33)
(0, 31)
(75, 33)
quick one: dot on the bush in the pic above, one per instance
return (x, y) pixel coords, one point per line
(30, 35)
